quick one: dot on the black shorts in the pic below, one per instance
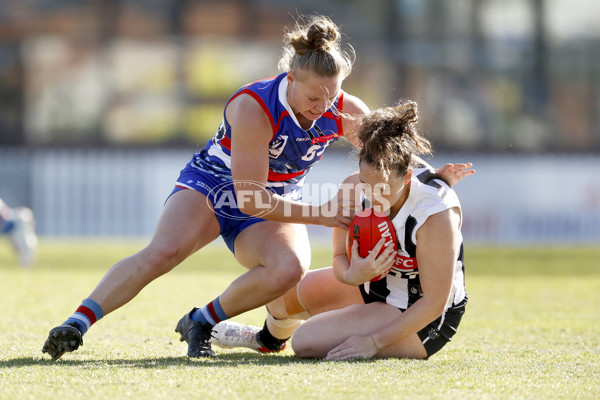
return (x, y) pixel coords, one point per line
(437, 333)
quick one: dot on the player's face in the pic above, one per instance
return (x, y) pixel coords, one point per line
(384, 194)
(310, 94)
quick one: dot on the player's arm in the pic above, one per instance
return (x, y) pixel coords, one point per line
(353, 108)
(449, 173)
(346, 194)
(360, 270)
(437, 251)
(250, 137)
(454, 173)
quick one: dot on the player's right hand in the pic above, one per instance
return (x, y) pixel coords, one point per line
(364, 269)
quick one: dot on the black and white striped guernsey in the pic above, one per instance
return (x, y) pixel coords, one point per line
(401, 287)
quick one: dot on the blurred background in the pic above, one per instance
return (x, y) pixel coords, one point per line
(102, 102)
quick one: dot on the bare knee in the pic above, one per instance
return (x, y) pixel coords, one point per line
(158, 260)
(305, 346)
(299, 345)
(285, 274)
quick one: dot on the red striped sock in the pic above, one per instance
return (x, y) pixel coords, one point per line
(212, 313)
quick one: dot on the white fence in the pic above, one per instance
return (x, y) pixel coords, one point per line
(91, 192)
(520, 199)
(532, 199)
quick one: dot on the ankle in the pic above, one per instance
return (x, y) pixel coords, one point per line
(268, 340)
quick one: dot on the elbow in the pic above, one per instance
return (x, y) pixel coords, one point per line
(439, 308)
(250, 201)
(247, 209)
(437, 305)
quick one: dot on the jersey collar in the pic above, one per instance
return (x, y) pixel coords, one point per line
(283, 86)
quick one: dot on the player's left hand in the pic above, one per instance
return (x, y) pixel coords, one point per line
(353, 347)
(454, 173)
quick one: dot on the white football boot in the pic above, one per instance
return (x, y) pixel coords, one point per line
(22, 236)
(229, 334)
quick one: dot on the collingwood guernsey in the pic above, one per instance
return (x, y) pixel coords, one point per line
(401, 288)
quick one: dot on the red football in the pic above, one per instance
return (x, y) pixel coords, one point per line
(368, 227)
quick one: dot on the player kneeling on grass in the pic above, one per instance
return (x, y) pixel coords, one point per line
(416, 308)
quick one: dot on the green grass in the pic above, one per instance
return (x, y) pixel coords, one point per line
(531, 331)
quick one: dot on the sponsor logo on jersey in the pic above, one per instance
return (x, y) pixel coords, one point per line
(276, 147)
(384, 230)
(405, 263)
(323, 139)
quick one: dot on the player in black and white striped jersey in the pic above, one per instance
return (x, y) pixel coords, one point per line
(415, 310)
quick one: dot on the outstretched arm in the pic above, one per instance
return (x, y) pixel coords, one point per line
(454, 173)
(450, 173)
(251, 133)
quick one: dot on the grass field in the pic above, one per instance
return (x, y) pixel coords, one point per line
(531, 331)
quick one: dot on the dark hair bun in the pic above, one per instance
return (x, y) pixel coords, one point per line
(390, 137)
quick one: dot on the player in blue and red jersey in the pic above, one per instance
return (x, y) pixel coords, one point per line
(244, 186)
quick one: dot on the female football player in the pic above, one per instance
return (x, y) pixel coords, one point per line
(416, 308)
(244, 186)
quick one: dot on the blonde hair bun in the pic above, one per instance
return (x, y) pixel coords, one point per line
(315, 45)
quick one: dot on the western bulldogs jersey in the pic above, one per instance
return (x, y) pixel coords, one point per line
(401, 287)
(292, 150)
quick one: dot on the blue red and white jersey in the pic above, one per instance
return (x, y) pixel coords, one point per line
(292, 149)
(402, 287)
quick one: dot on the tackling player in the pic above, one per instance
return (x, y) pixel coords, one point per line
(244, 186)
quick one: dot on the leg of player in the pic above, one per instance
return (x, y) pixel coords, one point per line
(277, 256)
(186, 225)
(317, 292)
(334, 327)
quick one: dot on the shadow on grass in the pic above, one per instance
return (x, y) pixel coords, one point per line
(223, 360)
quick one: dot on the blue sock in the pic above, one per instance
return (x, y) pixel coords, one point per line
(6, 226)
(6, 222)
(212, 313)
(86, 315)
